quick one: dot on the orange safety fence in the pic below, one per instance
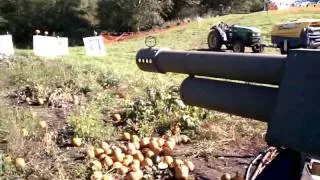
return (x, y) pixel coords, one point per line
(108, 38)
(272, 6)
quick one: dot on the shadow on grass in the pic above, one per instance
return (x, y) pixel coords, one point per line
(208, 50)
(222, 50)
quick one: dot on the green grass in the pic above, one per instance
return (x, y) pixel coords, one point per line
(87, 122)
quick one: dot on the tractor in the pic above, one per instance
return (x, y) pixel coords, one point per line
(235, 38)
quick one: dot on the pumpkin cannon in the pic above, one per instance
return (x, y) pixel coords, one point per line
(283, 91)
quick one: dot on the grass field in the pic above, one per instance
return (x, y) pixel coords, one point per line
(81, 96)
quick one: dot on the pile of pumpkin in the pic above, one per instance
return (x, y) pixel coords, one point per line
(135, 159)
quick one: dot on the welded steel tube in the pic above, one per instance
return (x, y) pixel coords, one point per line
(257, 68)
(256, 102)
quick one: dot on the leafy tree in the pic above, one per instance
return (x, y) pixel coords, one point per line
(257, 5)
(147, 14)
(60, 16)
(3, 25)
(115, 15)
(132, 15)
(181, 5)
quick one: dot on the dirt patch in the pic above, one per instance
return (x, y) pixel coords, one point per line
(109, 39)
(232, 157)
(55, 117)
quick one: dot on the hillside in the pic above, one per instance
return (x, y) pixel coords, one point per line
(191, 37)
(44, 103)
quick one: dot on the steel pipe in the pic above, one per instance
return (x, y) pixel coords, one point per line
(256, 102)
(257, 68)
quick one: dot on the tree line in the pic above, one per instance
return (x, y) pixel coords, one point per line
(78, 18)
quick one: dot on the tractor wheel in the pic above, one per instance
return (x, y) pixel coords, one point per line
(214, 40)
(229, 47)
(238, 47)
(257, 49)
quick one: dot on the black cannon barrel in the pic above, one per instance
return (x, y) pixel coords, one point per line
(257, 68)
(256, 102)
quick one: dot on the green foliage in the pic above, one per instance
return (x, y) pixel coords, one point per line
(57, 82)
(124, 15)
(146, 15)
(3, 24)
(14, 120)
(88, 123)
(12, 124)
(159, 110)
(256, 5)
(184, 8)
(108, 80)
(62, 83)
